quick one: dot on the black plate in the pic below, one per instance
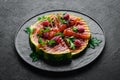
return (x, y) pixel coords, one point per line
(24, 50)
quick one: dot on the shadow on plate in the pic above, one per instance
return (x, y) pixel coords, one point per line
(60, 74)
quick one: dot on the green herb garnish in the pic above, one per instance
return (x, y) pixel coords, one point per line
(74, 29)
(28, 30)
(43, 17)
(51, 42)
(47, 29)
(63, 21)
(41, 41)
(34, 56)
(39, 18)
(94, 42)
(70, 40)
(50, 20)
(38, 35)
(59, 34)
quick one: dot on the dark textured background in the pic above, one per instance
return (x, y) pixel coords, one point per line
(14, 13)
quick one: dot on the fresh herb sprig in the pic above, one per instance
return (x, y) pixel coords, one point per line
(41, 41)
(74, 29)
(94, 42)
(59, 34)
(50, 20)
(35, 56)
(46, 29)
(63, 21)
(28, 30)
(41, 18)
(51, 42)
(70, 40)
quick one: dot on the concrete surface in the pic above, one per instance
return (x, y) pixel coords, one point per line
(14, 13)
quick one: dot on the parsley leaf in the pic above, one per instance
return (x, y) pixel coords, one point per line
(47, 29)
(34, 56)
(43, 17)
(28, 30)
(94, 42)
(70, 40)
(72, 45)
(50, 20)
(74, 29)
(63, 21)
(51, 42)
(38, 35)
(41, 41)
(59, 34)
(39, 18)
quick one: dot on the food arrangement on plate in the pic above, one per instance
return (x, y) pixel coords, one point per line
(58, 37)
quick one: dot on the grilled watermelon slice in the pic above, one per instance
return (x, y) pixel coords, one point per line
(85, 40)
(56, 53)
(62, 51)
(82, 36)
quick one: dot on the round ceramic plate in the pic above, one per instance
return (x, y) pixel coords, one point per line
(24, 50)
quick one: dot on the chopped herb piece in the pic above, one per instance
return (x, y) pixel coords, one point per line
(59, 34)
(34, 56)
(51, 42)
(28, 30)
(94, 42)
(50, 20)
(74, 29)
(39, 18)
(38, 35)
(41, 41)
(47, 29)
(41, 30)
(43, 17)
(63, 21)
(72, 45)
(70, 40)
